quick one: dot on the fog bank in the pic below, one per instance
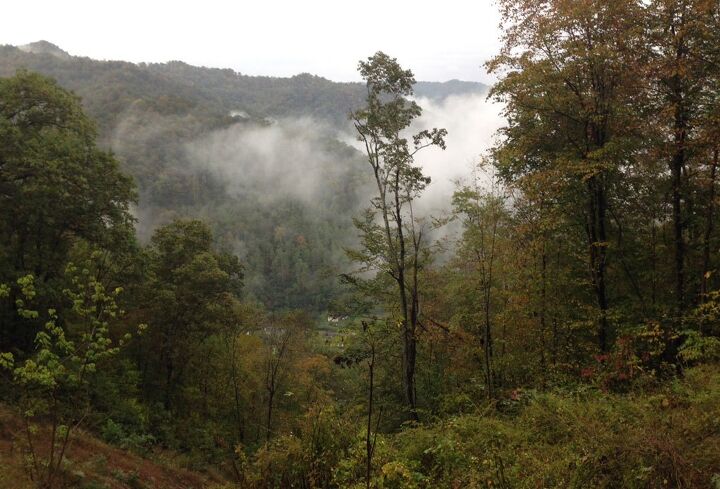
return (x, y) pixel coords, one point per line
(471, 122)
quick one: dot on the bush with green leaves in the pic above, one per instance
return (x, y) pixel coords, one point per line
(53, 383)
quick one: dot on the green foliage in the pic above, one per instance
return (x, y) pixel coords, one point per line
(306, 459)
(53, 383)
(576, 439)
(189, 295)
(699, 348)
(543, 348)
(114, 433)
(150, 114)
(57, 188)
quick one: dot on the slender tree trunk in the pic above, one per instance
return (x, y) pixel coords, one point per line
(678, 225)
(169, 370)
(709, 217)
(488, 351)
(487, 333)
(395, 239)
(555, 325)
(597, 237)
(487, 263)
(653, 263)
(236, 391)
(368, 435)
(543, 306)
(677, 163)
(602, 262)
(408, 322)
(268, 419)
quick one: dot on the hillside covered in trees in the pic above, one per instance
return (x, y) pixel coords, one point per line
(206, 283)
(177, 130)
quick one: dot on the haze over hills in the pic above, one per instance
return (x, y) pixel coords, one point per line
(268, 162)
(217, 89)
(212, 280)
(45, 47)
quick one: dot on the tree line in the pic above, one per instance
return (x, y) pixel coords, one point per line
(586, 264)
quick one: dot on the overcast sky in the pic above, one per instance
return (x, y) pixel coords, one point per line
(437, 40)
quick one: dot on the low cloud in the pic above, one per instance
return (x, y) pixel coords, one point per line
(472, 122)
(313, 162)
(291, 157)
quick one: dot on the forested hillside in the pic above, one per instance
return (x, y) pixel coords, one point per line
(187, 135)
(205, 282)
(110, 87)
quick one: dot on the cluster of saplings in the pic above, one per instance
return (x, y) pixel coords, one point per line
(569, 337)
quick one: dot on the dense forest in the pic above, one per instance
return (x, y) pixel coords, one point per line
(205, 283)
(216, 144)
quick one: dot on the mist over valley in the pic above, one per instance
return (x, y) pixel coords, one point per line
(262, 159)
(360, 245)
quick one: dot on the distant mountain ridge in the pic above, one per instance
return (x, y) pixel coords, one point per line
(45, 47)
(121, 83)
